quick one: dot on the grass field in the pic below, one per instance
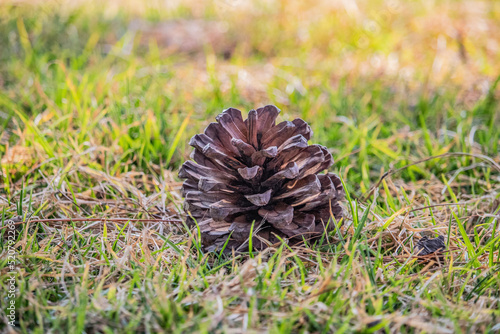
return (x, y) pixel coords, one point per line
(99, 99)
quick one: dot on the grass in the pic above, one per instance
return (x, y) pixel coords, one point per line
(97, 106)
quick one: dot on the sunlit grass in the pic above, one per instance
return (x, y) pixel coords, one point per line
(97, 107)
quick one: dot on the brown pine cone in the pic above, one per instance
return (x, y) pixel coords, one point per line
(256, 171)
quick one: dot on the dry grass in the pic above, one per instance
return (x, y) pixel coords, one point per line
(98, 100)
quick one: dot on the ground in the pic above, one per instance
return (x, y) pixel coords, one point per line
(99, 98)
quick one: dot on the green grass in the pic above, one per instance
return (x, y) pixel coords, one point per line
(95, 122)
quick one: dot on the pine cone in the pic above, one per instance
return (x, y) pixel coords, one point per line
(256, 171)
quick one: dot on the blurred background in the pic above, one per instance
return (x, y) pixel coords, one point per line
(381, 82)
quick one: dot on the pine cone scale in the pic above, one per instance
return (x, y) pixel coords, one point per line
(296, 189)
(279, 215)
(275, 135)
(222, 209)
(233, 123)
(260, 199)
(267, 119)
(252, 128)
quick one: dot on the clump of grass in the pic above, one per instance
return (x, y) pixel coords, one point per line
(95, 120)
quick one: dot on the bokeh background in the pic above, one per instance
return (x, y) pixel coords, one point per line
(376, 79)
